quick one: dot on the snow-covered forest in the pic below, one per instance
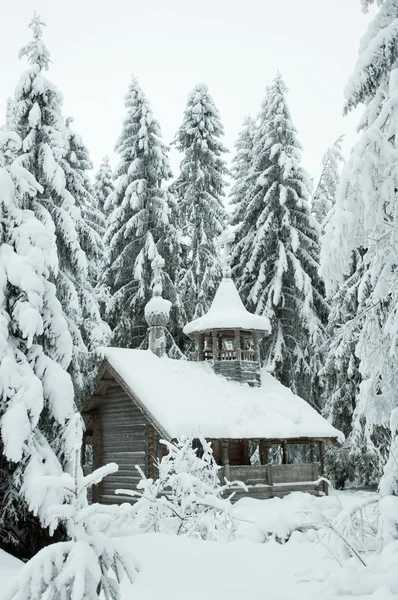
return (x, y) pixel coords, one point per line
(83, 251)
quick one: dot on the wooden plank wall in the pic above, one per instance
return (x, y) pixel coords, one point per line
(121, 436)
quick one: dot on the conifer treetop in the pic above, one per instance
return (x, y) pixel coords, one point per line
(201, 126)
(141, 138)
(36, 51)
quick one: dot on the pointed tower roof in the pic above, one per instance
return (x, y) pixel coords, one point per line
(227, 312)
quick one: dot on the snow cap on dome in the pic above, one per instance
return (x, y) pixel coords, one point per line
(227, 312)
(157, 312)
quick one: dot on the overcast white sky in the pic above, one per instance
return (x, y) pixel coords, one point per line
(235, 46)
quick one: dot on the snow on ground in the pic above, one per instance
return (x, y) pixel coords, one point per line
(9, 567)
(180, 568)
(175, 568)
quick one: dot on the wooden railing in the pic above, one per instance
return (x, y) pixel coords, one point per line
(272, 475)
(246, 355)
(227, 355)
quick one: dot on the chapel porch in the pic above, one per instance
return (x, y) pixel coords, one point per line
(279, 471)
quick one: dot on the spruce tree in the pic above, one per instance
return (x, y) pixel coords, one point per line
(341, 377)
(199, 189)
(325, 193)
(241, 170)
(139, 226)
(103, 185)
(276, 258)
(91, 225)
(365, 219)
(46, 152)
(36, 400)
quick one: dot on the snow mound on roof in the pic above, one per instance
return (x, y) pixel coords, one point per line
(188, 398)
(227, 312)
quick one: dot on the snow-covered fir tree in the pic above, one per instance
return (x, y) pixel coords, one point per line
(187, 497)
(366, 217)
(241, 170)
(325, 192)
(140, 225)
(91, 226)
(47, 152)
(275, 260)
(199, 189)
(359, 458)
(88, 565)
(103, 185)
(36, 399)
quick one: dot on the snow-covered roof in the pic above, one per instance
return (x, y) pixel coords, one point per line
(188, 398)
(227, 312)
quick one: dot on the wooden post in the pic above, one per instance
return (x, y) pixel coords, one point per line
(246, 453)
(261, 452)
(270, 478)
(264, 448)
(312, 452)
(238, 349)
(201, 346)
(256, 339)
(324, 485)
(284, 452)
(83, 450)
(267, 448)
(322, 457)
(225, 459)
(215, 344)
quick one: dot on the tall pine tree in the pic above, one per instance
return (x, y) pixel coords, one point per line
(199, 189)
(46, 153)
(139, 227)
(276, 257)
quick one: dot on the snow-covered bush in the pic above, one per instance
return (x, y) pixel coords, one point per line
(187, 498)
(88, 565)
(372, 571)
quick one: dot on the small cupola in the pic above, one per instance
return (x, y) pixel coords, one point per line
(228, 335)
(157, 311)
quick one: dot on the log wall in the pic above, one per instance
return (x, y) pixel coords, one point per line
(239, 370)
(120, 436)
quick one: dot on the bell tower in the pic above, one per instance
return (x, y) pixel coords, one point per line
(228, 335)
